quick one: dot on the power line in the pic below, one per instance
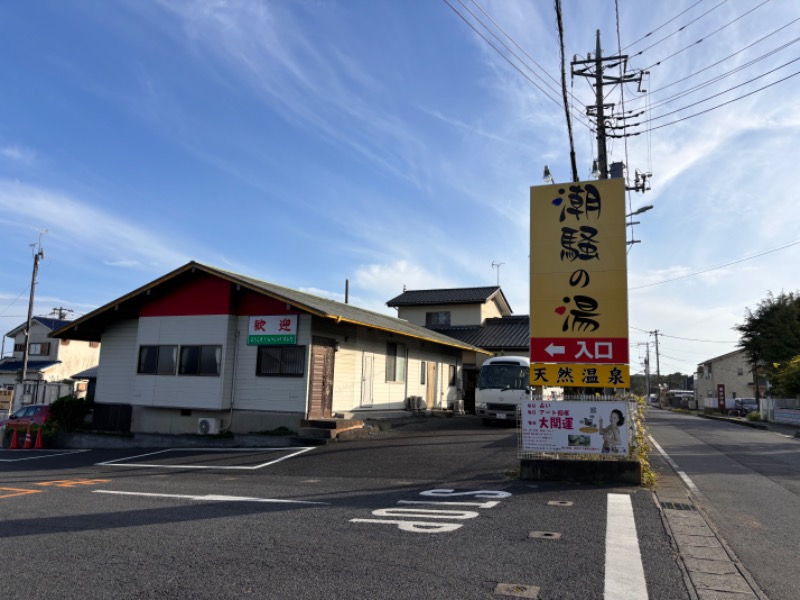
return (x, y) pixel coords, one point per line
(661, 26)
(509, 61)
(702, 39)
(726, 91)
(680, 29)
(728, 264)
(513, 41)
(726, 74)
(702, 112)
(681, 338)
(697, 72)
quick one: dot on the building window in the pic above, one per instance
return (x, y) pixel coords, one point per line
(433, 319)
(395, 362)
(39, 349)
(740, 371)
(281, 361)
(452, 376)
(423, 372)
(157, 360)
(200, 360)
(19, 347)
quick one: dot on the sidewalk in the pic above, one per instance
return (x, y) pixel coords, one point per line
(711, 569)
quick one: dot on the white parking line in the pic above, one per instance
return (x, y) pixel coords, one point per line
(208, 497)
(624, 569)
(21, 458)
(119, 462)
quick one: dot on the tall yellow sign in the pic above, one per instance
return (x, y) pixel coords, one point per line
(579, 282)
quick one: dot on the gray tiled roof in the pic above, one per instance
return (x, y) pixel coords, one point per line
(506, 333)
(51, 324)
(446, 296)
(90, 326)
(14, 366)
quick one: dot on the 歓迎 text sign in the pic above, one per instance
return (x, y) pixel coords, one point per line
(272, 330)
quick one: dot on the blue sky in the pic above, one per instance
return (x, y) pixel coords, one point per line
(309, 142)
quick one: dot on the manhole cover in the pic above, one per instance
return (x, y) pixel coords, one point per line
(560, 503)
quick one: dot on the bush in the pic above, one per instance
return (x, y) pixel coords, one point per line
(753, 416)
(69, 413)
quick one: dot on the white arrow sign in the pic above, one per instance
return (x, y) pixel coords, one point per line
(552, 349)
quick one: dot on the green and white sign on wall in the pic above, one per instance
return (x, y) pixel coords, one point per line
(271, 330)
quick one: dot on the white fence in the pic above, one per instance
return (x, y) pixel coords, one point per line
(781, 410)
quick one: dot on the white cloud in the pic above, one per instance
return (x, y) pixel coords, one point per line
(19, 154)
(87, 230)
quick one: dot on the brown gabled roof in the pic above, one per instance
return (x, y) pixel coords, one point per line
(91, 326)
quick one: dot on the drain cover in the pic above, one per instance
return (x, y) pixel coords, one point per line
(547, 535)
(560, 503)
(677, 506)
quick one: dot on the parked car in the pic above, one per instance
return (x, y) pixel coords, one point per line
(34, 414)
(743, 406)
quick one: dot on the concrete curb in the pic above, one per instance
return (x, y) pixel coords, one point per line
(753, 424)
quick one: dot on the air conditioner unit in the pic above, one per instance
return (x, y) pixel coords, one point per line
(207, 426)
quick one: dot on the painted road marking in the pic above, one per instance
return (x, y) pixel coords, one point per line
(624, 569)
(208, 497)
(16, 492)
(38, 456)
(120, 461)
(689, 483)
(403, 515)
(68, 483)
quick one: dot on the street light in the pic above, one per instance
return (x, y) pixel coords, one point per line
(640, 211)
(548, 178)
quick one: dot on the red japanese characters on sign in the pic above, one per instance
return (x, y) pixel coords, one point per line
(570, 350)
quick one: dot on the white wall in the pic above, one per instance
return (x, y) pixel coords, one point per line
(117, 368)
(389, 395)
(182, 391)
(284, 394)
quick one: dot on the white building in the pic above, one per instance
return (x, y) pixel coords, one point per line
(725, 377)
(245, 355)
(49, 361)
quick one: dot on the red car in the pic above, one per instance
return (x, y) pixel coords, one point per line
(34, 414)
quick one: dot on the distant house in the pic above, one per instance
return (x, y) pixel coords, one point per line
(479, 316)
(204, 349)
(49, 361)
(730, 375)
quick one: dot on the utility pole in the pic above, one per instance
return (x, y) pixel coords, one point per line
(37, 256)
(61, 312)
(658, 365)
(593, 68)
(647, 370)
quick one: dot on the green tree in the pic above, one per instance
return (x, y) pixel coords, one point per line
(787, 379)
(770, 334)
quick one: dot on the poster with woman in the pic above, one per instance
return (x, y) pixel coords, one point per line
(576, 427)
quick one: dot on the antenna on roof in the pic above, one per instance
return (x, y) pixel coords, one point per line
(498, 265)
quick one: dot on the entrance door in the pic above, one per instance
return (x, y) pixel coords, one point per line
(430, 390)
(321, 393)
(367, 379)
